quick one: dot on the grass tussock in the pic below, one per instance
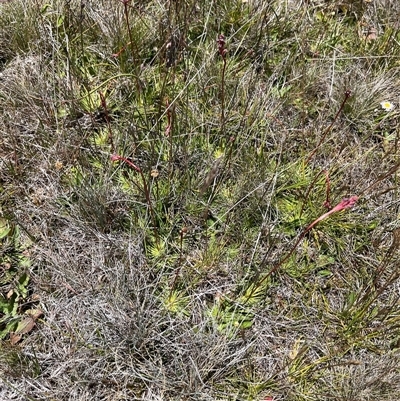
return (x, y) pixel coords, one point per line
(199, 200)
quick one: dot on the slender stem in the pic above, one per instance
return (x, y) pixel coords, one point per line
(222, 52)
(223, 96)
(132, 44)
(146, 190)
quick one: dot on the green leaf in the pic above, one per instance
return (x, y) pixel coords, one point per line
(45, 7)
(324, 273)
(9, 305)
(324, 260)
(10, 327)
(22, 285)
(246, 324)
(60, 20)
(3, 305)
(4, 228)
(24, 261)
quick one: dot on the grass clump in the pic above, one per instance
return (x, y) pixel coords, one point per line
(199, 200)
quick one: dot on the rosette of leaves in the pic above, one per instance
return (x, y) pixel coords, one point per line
(15, 317)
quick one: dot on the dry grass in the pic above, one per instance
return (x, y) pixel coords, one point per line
(154, 279)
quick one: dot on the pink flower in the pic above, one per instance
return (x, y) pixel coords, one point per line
(344, 204)
(115, 158)
(221, 46)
